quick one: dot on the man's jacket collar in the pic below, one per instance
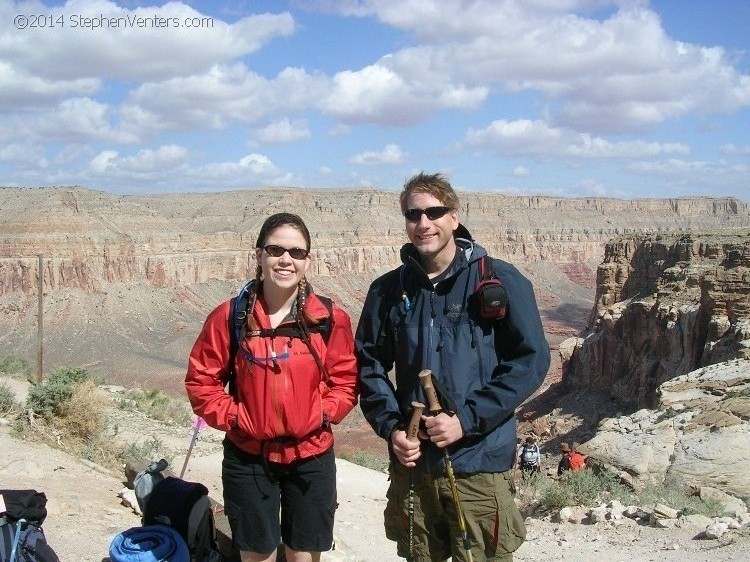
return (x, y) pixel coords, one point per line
(468, 251)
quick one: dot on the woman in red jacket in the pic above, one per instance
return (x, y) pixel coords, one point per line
(293, 380)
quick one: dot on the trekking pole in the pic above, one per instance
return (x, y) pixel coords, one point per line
(435, 408)
(198, 424)
(411, 434)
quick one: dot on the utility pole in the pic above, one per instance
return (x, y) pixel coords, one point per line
(40, 320)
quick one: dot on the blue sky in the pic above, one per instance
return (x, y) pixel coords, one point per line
(575, 98)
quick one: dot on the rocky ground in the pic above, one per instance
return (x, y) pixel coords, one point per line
(85, 512)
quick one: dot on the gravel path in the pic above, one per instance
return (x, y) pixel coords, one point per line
(85, 512)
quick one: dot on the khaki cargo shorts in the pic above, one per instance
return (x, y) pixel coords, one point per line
(494, 523)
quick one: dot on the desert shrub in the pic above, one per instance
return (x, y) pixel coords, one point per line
(675, 493)
(151, 448)
(48, 398)
(8, 402)
(667, 414)
(588, 489)
(574, 488)
(82, 416)
(69, 376)
(69, 413)
(529, 489)
(555, 496)
(15, 366)
(158, 406)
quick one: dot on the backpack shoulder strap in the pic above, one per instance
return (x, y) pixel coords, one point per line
(485, 269)
(327, 326)
(237, 316)
(394, 293)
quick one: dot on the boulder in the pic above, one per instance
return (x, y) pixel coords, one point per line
(700, 433)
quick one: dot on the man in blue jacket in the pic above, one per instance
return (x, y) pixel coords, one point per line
(427, 314)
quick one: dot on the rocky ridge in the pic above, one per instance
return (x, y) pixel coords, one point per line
(128, 280)
(666, 304)
(669, 343)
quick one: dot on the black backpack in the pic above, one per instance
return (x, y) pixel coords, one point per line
(186, 507)
(238, 310)
(22, 539)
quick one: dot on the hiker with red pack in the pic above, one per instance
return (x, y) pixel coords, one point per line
(571, 460)
(290, 375)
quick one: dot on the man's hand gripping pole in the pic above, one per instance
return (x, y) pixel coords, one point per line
(435, 408)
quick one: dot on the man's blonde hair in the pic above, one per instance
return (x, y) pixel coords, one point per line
(432, 184)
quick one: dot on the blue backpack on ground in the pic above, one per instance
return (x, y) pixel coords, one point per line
(22, 539)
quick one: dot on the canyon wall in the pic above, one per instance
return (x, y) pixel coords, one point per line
(92, 239)
(128, 280)
(666, 304)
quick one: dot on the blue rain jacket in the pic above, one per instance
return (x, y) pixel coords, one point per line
(484, 368)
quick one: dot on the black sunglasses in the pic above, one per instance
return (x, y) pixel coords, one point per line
(277, 251)
(433, 213)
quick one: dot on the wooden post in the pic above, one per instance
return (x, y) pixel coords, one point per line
(40, 320)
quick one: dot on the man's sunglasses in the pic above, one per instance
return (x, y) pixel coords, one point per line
(433, 213)
(277, 251)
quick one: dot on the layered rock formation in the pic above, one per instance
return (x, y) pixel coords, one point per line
(700, 432)
(92, 239)
(129, 280)
(666, 304)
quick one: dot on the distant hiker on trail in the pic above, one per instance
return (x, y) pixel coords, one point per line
(528, 460)
(486, 352)
(292, 376)
(571, 459)
(564, 463)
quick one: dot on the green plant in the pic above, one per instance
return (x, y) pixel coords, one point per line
(588, 489)
(16, 366)
(8, 402)
(574, 488)
(675, 493)
(70, 376)
(48, 398)
(151, 448)
(556, 496)
(667, 414)
(158, 406)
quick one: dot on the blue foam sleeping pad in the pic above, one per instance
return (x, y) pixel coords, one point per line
(152, 543)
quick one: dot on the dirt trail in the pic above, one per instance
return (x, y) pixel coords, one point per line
(85, 512)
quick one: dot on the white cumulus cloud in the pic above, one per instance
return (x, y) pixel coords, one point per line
(391, 154)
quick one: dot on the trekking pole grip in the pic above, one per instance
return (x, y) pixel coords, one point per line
(425, 377)
(413, 428)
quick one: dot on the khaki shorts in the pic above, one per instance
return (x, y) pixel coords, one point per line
(494, 524)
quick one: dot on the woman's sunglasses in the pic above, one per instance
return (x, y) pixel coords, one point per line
(433, 213)
(277, 251)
